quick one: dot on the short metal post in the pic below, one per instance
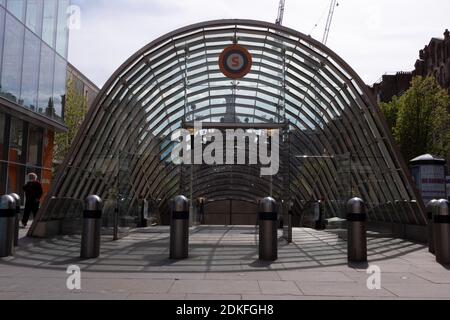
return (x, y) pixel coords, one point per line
(442, 232)
(431, 207)
(16, 230)
(179, 229)
(357, 231)
(268, 230)
(7, 225)
(92, 227)
(116, 225)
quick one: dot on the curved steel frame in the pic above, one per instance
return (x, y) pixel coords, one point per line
(294, 80)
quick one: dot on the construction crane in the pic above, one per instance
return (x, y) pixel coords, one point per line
(280, 17)
(333, 6)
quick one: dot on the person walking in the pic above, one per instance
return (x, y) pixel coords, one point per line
(33, 193)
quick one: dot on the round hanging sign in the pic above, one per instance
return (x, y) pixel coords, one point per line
(235, 62)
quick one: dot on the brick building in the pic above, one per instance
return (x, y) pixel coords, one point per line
(391, 85)
(434, 60)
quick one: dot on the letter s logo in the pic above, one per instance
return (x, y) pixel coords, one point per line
(235, 63)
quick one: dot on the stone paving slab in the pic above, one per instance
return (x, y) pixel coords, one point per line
(223, 265)
(341, 289)
(419, 290)
(315, 276)
(216, 286)
(279, 288)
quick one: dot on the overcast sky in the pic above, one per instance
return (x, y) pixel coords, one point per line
(373, 36)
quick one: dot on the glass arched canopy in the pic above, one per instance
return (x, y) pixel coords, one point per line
(335, 141)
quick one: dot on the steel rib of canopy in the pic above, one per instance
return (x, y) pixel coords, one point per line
(177, 78)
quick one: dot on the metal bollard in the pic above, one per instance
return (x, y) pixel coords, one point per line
(442, 232)
(179, 229)
(357, 230)
(7, 226)
(16, 230)
(92, 227)
(431, 207)
(268, 231)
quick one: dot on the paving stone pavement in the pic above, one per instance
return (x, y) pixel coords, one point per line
(223, 265)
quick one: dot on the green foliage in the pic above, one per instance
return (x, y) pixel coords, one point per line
(390, 110)
(419, 119)
(74, 112)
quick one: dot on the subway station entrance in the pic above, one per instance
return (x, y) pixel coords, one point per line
(263, 80)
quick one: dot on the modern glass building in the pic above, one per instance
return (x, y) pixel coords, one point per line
(335, 143)
(33, 62)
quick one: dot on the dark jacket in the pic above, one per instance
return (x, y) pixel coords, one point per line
(33, 191)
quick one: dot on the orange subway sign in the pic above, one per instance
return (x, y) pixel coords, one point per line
(235, 62)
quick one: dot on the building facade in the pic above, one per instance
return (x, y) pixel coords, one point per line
(391, 85)
(82, 85)
(33, 64)
(434, 60)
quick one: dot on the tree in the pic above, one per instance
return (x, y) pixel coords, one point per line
(74, 114)
(390, 110)
(419, 118)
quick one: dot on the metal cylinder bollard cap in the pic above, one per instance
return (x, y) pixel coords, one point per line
(431, 206)
(356, 206)
(267, 205)
(17, 199)
(442, 208)
(7, 203)
(93, 203)
(181, 204)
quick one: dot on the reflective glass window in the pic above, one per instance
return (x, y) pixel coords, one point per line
(17, 8)
(35, 139)
(12, 59)
(47, 152)
(30, 76)
(45, 98)
(16, 141)
(61, 29)
(48, 27)
(59, 89)
(2, 34)
(2, 134)
(16, 179)
(34, 15)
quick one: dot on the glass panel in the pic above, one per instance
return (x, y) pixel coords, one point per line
(35, 138)
(15, 170)
(61, 31)
(2, 35)
(48, 144)
(59, 88)
(48, 28)
(16, 179)
(45, 101)
(12, 59)
(16, 7)
(2, 134)
(30, 76)
(16, 141)
(34, 16)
